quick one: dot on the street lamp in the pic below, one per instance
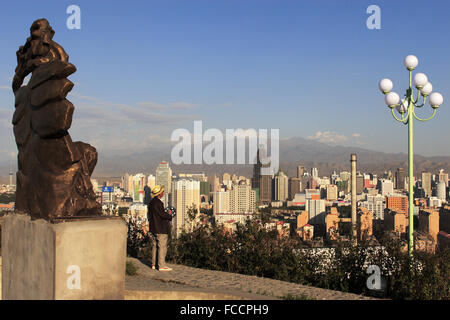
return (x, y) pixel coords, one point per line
(405, 108)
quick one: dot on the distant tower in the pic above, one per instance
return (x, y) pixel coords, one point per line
(300, 171)
(400, 179)
(353, 162)
(11, 173)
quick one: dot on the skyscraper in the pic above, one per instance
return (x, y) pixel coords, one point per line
(443, 177)
(359, 183)
(221, 202)
(186, 194)
(281, 184)
(125, 182)
(353, 189)
(441, 191)
(265, 191)
(242, 199)
(300, 171)
(426, 183)
(295, 186)
(11, 174)
(400, 179)
(263, 182)
(164, 178)
(316, 211)
(314, 173)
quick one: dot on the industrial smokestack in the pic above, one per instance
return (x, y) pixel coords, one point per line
(353, 162)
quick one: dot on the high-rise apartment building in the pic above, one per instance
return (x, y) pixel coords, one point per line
(316, 211)
(186, 195)
(375, 204)
(443, 177)
(221, 202)
(164, 178)
(332, 192)
(281, 187)
(387, 187)
(397, 203)
(441, 191)
(242, 199)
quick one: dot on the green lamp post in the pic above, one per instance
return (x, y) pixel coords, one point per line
(406, 109)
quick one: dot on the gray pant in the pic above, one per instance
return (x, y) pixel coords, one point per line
(160, 245)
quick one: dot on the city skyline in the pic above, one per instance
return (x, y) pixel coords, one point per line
(227, 150)
(267, 62)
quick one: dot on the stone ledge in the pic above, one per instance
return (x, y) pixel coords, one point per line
(224, 282)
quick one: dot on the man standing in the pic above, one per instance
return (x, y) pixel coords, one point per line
(159, 222)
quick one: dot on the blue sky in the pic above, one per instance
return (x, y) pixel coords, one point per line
(146, 68)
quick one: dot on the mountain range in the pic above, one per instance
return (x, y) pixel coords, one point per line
(293, 152)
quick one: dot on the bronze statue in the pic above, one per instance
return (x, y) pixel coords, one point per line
(53, 178)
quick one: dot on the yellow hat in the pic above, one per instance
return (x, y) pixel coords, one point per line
(157, 190)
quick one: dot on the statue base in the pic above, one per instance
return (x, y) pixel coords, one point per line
(65, 259)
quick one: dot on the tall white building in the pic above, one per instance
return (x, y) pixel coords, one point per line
(164, 178)
(186, 193)
(221, 202)
(375, 204)
(242, 199)
(332, 192)
(387, 187)
(316, 210)
(443, 177)
(151, 181)
(441, 191)
(314, 173)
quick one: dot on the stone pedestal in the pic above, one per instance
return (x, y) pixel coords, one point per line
(69, 259)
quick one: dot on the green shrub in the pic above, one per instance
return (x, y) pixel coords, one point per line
(131, 269)
(252, 250)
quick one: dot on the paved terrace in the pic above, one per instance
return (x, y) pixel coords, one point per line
(236, 286)
(197, 284)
